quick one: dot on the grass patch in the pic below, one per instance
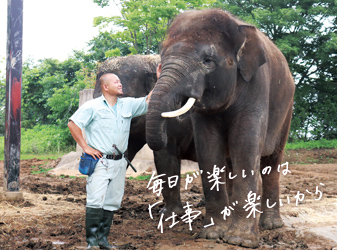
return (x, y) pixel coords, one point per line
(187, 173)
(62, 176)
(141, 177)
(308, 145)
(52, 156)
(49, 156)
(40, 170)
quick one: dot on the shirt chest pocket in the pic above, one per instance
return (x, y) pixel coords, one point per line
(125, 121)
(106, 119)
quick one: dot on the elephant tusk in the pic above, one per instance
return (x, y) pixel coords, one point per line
(180, 111)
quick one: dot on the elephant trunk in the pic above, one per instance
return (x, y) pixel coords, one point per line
(169, 94)
(156, 132)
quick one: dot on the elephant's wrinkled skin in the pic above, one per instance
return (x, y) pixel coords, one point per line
(138, 76)
(244, 97)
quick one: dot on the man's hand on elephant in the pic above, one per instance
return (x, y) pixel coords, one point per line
(93, 152)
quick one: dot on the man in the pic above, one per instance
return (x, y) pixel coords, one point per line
(106, 121)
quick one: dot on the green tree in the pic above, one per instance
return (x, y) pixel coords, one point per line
(65, 100)
(305, 31)
(33, 109)
(39, 84)
(144, 22)
(98, 47)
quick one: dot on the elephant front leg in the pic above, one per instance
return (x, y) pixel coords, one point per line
(168, 166)
(244, 209)
(211, 154)
(216, 200)
(245, 146)
(270, 173)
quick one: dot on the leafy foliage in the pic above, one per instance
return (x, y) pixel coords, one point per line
(102, 3)
(143, 23)
(44, 138)
(50, 91)
(65, 101)
(99, 48)
(50, 95)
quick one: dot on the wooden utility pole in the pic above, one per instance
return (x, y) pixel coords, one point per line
(13, 101)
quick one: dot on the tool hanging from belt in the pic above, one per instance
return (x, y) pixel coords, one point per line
(120, 153)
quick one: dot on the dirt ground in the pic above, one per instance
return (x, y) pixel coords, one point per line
(51, 216)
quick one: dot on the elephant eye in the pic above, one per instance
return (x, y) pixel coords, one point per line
(207, 61)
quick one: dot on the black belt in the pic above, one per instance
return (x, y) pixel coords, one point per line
(114, 157)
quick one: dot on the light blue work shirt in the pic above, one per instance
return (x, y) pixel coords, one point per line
(103, 127)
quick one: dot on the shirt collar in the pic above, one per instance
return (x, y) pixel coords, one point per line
(119, 100)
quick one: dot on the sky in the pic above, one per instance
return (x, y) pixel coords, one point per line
(54, 28)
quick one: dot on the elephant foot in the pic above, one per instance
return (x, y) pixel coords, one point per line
(213, 232)
(270, 220)
(244, 240)
(241, 235)
(168, 210)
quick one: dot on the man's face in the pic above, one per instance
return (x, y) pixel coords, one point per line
(114, 85)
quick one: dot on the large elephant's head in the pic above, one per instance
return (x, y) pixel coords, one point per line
(205, 55)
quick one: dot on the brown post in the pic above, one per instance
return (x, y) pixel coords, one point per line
(13, 101)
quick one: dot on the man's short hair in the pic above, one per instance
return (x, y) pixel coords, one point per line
(104, 78)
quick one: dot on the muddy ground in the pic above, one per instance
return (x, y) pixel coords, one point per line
(51, 216)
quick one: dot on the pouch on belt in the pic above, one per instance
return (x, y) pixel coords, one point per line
(87, 164)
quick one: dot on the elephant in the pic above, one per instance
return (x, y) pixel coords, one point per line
(138, 77)
(237, 88)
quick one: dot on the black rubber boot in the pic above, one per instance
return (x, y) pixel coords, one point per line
(104, 228)
(92, 219)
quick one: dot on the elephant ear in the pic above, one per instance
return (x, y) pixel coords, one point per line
(251, 54)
